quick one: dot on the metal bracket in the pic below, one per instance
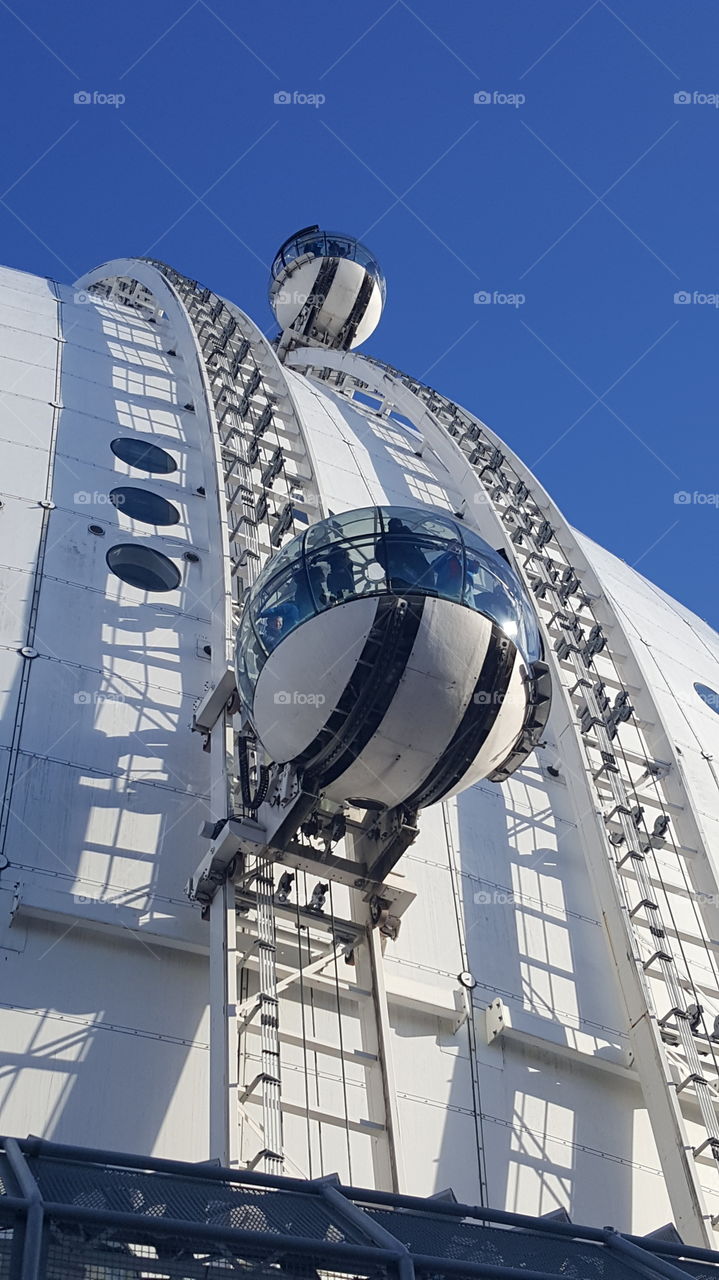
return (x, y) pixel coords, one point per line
(214, 702)
(496, 1019)
(234, 837)
(383, 840)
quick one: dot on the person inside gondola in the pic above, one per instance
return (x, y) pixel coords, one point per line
(275, 622)
(448, 572)
(402, 560)
(340, 579)
(310, 592)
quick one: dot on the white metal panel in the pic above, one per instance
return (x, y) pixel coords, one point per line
(303, 679)
(67, 1038)
(30, 347)
(37, 291)
(20, 377)
(16, 586)
(124, 726)
(11, 665)
(150, 645)
(358, 455)
(104, 828)
(24, 468)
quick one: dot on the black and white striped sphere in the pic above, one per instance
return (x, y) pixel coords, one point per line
(391, 655)
(327, 287)
(390, 700)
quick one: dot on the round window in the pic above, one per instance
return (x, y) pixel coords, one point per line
(143, 567)
(142, 504)
(710, 696)
(144, 456)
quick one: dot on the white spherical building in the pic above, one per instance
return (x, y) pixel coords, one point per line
(282, 913)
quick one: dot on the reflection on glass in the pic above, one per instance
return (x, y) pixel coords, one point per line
(374, 551)
(328, 244)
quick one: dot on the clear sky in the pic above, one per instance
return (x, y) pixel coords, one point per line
(594, 199)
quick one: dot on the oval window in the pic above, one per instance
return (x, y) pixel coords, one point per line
(144, 456)
(142, 504)
(710, 696)
(142, 567)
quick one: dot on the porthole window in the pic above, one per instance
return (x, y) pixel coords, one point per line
(144, 505)
(144, 456)
(707, 695)
(143, 567)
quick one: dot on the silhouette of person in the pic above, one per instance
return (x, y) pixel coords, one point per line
(340, 579)
(448, 572)
(274, 623)
(400, 557)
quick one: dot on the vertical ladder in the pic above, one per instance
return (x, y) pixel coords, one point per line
(269, 1019)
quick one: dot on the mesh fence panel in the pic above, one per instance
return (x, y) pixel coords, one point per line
(106, 1254)
(7, 1234)
(446, 1237)
(7, 1182)
(152, 1194)
(156, 1241)
(701, 1270)
(4, 1260)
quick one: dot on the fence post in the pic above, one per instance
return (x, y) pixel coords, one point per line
(34, 1214)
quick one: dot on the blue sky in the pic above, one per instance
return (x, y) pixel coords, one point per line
(595, 199)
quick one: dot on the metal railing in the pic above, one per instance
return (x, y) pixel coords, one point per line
(98, 1215)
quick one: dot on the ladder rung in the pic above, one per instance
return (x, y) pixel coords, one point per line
(694, 1078)
(708, 1142)
(650, 906)
(633, 854)
(673, 1013)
